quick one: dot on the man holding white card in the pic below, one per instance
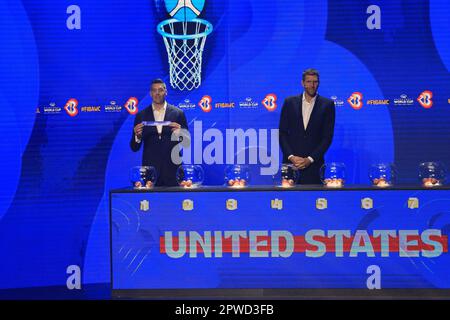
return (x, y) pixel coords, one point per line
(153, 127)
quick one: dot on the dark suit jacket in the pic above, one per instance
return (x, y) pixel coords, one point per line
(312, 142)
(157, 149)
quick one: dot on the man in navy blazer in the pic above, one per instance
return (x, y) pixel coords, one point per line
(157, 138)
(306, 129)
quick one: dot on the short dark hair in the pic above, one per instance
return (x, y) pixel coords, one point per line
(310, 72)
(158, 81)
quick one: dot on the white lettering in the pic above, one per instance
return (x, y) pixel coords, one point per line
(321, 248)
(74, 280)
(169, 245)
(374, 280)
(374, 21)
(74, 20)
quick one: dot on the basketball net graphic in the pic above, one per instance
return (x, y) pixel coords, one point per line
(184, 41)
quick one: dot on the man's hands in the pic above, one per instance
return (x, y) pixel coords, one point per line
(299, 162)
(140, 127)
(175, 126)
(138, 130)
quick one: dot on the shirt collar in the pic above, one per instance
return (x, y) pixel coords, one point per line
(312, 100)
(163, 109)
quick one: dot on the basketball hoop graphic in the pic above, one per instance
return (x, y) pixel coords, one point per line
(184, 37)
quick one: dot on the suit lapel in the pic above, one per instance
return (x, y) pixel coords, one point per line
(167, 114)
(150, 115)
(300, 113)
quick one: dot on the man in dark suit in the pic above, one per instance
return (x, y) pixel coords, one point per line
(306, 129)
(156, 137)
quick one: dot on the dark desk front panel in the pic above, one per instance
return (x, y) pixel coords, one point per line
(276, 239)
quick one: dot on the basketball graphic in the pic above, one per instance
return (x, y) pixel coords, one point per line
(184, 36)
(184, 10)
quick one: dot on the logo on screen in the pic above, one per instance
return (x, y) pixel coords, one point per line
(224, 105)
(404, 100)
(413, 203)
(112, 107)
(205, 103)
(270, 102)
(52, 108)
(91, 109)
(231, 204)
(378, 102)
(144, 205)
(337, 102)
(367, 203)
(425, 99)
(131, 105)
(321, 204)
(355, 100)
(187, 104)
(276, 204)
(71, 107)
(248, 103)
(188, 205)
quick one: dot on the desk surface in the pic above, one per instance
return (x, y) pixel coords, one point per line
(276, 188)
(234, 239)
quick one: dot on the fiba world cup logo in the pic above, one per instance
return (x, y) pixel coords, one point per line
(205, 103)
(131, 105)
(425, 99)
(270, 102)
(184, 36)
(355, 100)
(71, 107)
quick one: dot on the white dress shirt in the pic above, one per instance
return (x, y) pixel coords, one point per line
(159, 116)
(307, 108)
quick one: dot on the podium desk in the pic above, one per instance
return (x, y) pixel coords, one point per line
(272, 242)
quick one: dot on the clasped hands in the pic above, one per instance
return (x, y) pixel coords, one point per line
(299, 162)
